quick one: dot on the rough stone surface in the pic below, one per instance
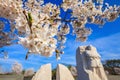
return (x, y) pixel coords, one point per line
(107, 72)
(44, 73)
(89, 66)
(63, 73)
(117, 70)
(73, 71)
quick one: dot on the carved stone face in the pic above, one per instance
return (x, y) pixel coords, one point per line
(93, 59)
(95, 62)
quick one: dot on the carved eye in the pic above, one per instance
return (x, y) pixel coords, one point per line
(91, 58)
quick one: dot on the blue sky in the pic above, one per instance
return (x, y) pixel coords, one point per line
(106, 40)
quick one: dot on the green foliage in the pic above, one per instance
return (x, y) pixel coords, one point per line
(29, 17)
(111, 64)
(54, 74)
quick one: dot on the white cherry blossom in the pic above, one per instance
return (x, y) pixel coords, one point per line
(42, 31)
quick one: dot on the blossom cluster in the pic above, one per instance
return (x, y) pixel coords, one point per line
(88, 12)
(4, 37)
(9, 9)
(17, 68)
(40, 28)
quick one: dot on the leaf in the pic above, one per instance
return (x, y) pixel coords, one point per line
(30, 18)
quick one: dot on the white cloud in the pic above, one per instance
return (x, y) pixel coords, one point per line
(108, 47)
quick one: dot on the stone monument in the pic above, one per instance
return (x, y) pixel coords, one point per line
(63, 73)
(44, 73)
(89, 66)
(73, 71)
